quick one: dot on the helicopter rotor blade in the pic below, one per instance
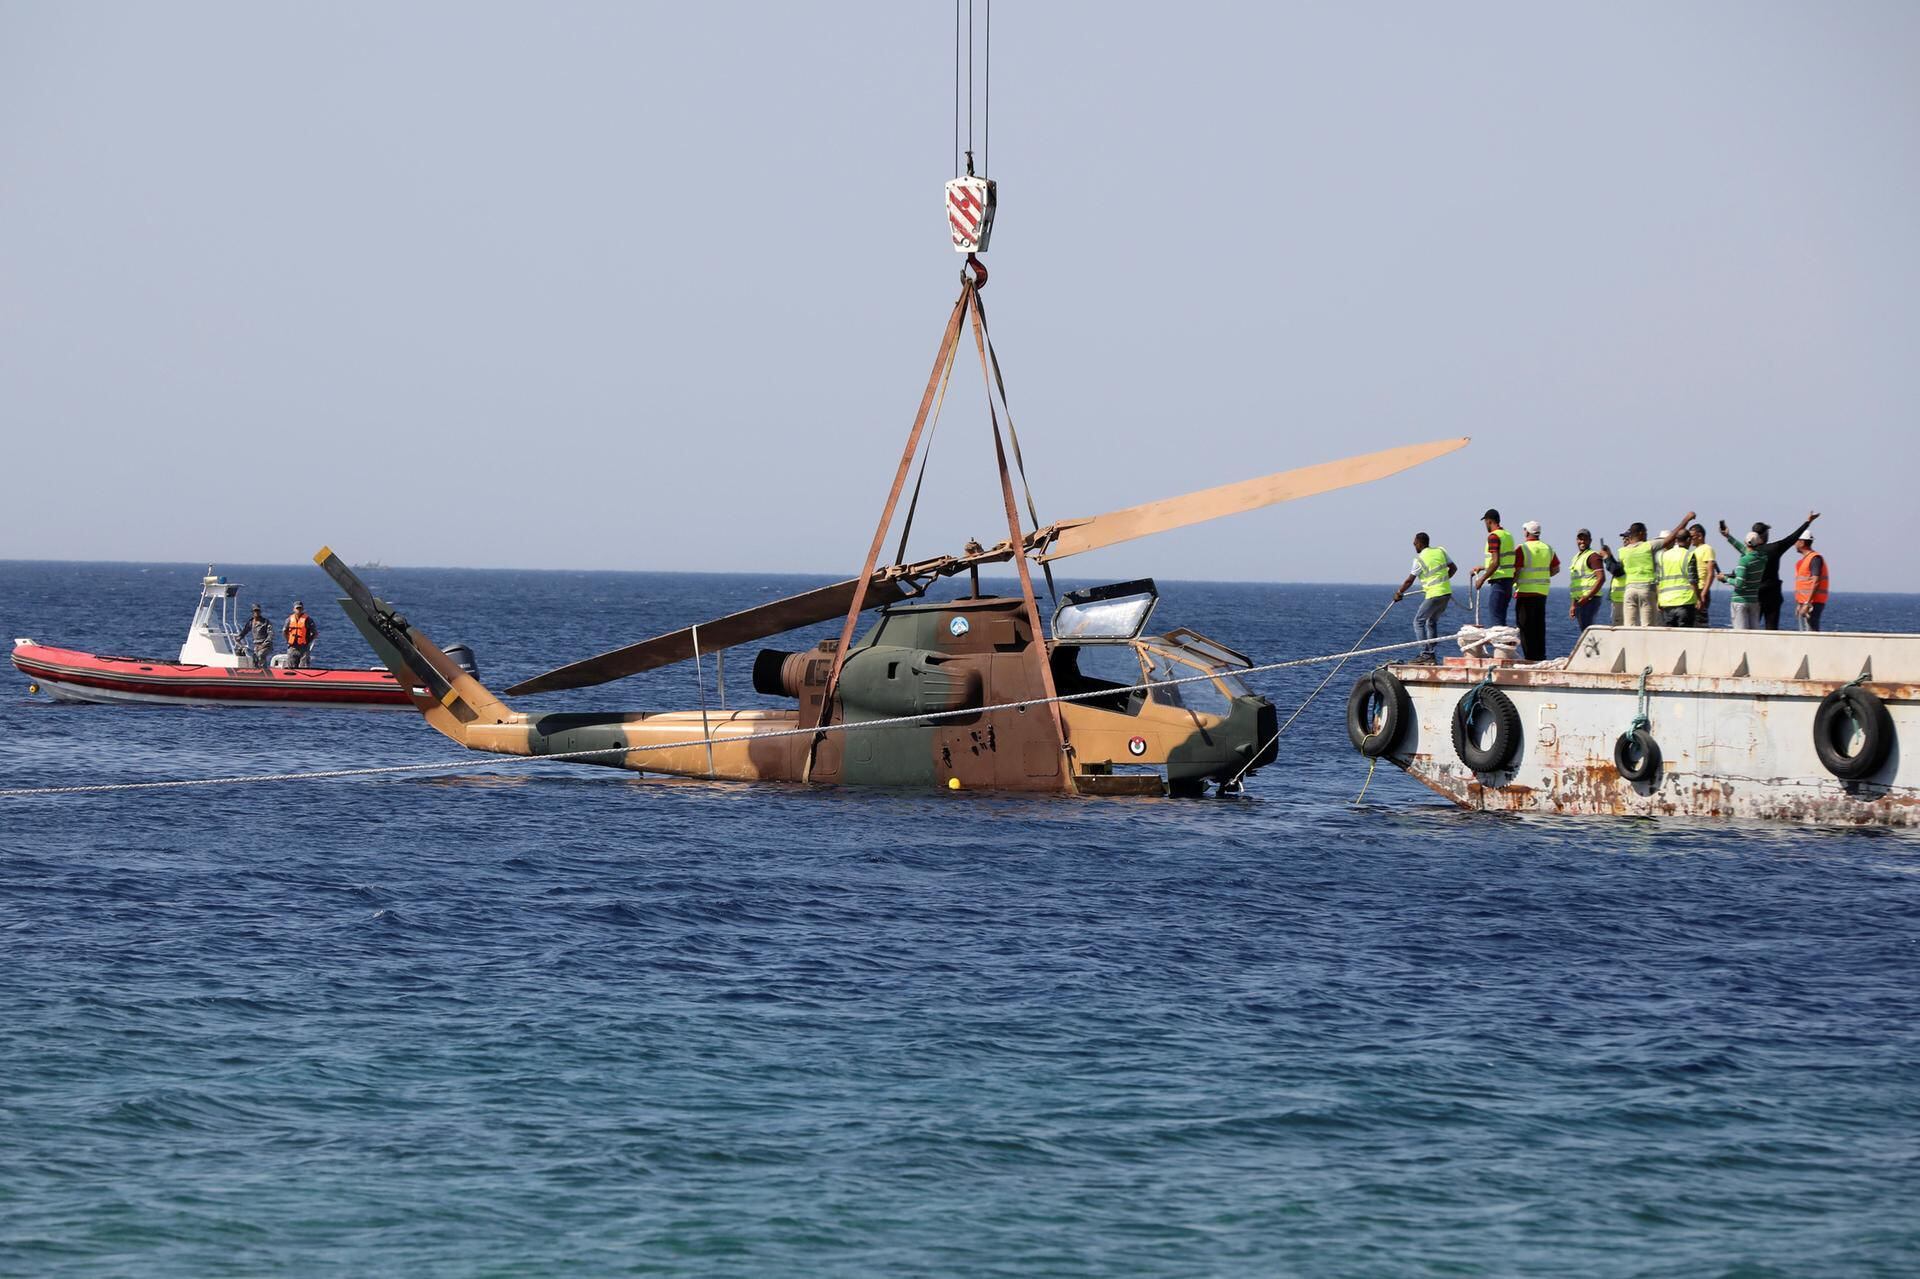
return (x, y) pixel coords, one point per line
(1076, 536)
(819, 605)
(1056, 541)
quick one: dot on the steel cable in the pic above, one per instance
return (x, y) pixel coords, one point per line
(894, 721)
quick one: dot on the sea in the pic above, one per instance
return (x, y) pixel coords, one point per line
(539, 1019)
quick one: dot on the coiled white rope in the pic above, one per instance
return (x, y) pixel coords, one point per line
(14, 792)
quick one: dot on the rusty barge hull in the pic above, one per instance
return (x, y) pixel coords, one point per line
(1733, 714)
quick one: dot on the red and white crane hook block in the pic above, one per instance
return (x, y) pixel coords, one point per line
(970, 205)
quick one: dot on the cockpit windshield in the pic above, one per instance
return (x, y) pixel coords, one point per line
(1213, 655)
(1178, 683)
(1116, 612)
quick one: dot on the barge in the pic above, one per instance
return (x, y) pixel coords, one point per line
(1786, 726)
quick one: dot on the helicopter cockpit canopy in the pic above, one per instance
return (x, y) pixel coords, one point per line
(1114, 613)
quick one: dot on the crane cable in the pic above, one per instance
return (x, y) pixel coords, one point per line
(985, 113)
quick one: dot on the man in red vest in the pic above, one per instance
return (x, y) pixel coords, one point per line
(1809, 585)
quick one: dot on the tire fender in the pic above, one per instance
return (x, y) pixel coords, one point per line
(1833, 724)
(1499, 750)
(1637, 742)
(1396, 712)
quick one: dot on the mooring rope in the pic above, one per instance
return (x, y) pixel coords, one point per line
(1640, 720)
(1298, 710)
(843, 727)
(1371, 761)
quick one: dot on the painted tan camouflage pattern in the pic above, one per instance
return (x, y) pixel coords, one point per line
(1147, 748)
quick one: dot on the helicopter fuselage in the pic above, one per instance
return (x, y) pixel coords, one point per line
(935, 694)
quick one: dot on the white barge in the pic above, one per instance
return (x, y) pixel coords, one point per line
(1783, 726)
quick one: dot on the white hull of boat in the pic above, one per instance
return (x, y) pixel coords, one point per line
(1733, 713)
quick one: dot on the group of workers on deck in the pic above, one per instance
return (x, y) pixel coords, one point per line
(256, 637)
(1666, 580)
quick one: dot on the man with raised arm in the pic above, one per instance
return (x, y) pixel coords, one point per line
(1770, 591)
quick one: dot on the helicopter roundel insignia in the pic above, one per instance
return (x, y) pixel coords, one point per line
(1136, 746)
(959, 626)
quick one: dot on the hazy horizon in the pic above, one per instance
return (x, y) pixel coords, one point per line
(644, 287)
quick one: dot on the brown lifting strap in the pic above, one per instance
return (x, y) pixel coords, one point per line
(1038, 648)
(941, 362)
(935, 393)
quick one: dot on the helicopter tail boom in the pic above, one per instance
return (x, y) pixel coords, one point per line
(450, 698)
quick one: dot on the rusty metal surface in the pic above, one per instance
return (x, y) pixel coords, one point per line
(1508, 677)
(1732, 747)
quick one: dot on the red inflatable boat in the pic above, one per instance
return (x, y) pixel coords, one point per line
(211, 669)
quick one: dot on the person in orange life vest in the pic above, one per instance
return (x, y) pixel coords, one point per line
(300, 631)
(1809, 585)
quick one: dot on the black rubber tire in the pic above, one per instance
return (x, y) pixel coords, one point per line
(1396, 712)
(1637, 741)
(1498, 752)
(1833, 725)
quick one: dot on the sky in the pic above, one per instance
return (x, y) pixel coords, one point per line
(657, 286)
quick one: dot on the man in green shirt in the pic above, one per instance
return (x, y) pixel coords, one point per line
(1745, 579)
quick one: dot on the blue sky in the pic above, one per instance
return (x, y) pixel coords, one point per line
(656, 286)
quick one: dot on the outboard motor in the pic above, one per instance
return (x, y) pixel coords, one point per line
(463, 658)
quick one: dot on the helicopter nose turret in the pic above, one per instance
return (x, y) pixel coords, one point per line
(1229, 752)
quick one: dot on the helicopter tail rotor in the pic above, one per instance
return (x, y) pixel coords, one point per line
(444, 690)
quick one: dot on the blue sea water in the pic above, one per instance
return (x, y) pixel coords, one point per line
(547, 1020)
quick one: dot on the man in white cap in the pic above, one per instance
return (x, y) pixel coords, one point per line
(1532, 578)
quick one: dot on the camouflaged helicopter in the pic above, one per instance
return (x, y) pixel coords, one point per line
(960, 694)
(965, 693)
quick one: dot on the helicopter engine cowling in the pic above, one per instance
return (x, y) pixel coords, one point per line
(881, 680)
(886, 680)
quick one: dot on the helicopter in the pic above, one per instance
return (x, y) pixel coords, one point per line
(958, 694)
(968, 693)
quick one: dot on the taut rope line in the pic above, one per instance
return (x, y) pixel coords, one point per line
(469, 762)
(1318, 689)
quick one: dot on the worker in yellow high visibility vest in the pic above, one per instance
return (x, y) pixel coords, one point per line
(1586, 575)
(1496, 573)
(1531, 582)
(1635, 562)
(1433, 568)
(1677, 581)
